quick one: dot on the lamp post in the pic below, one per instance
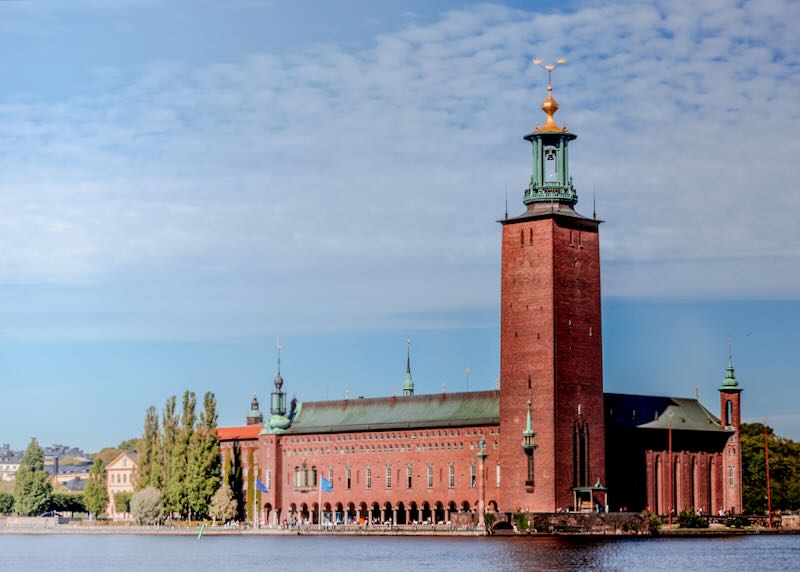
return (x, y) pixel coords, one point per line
(482, 454)
(669, 468)
(769, 492)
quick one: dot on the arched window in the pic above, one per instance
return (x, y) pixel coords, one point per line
(580, 454)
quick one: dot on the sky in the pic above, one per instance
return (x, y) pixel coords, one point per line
(182, 183)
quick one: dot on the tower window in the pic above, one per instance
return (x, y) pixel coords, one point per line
(530, 236)
(522, 238)
(728, 412)
(730, 477)
(497, 475)
(473, 476)
(430, 476)
(409, 476)
(451, 476)
(550, 153)
(529, 382)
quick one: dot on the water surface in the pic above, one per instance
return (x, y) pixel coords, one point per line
(36, 553)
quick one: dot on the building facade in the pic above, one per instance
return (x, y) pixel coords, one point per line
(120, 478)
(548, 439)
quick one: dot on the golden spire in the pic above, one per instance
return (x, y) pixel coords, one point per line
(549, 105)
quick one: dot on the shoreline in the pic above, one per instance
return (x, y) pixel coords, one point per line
(209, 531)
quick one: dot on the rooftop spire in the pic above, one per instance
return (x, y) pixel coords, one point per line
(730, 382)
(528, 424)
(408, 384)
(549, 105)
(278, 378)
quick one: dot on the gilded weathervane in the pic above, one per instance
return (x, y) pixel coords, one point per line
(549, 105)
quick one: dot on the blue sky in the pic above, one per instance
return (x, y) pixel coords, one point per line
(182, 182)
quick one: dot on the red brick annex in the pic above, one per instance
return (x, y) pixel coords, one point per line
(549, 439)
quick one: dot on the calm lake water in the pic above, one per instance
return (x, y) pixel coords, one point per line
(360, 554)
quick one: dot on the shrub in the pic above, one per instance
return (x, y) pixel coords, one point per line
(147, 506)
(488, 520)
(522, 522)
(6, 503)
(737, 522)
(654, 523)
(688, 518)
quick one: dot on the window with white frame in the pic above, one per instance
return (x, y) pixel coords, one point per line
(430, 476)
(369, 476)
(451, 476)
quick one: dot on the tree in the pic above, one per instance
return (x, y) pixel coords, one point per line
(223, 505)
(235, 481)
(250, 496)
(148, 448)
(784, 465)
(67, 502)
(96, 495)
(147, 506)
(122, 502)
(169, 425)
(203, 477)
(130, 445)
(177, 490)
(32, 489)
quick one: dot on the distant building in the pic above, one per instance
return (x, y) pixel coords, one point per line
(62, 474)
(9, 464)
(548, 439)
(120, 478)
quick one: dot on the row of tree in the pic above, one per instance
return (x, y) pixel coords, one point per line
(179, 456)
(34, 494)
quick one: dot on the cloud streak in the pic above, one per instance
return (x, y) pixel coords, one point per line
(336, 188)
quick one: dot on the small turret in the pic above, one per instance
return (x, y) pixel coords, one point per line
(254, 416)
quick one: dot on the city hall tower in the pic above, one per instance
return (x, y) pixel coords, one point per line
(552, 441)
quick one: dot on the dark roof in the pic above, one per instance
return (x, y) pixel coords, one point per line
(75, 484)
(407, 412)
(652, 412)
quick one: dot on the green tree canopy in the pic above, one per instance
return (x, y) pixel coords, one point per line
(6, 503)
(96, 495)
(203, 478)
(784, 465)
(122, 502)
(32, 488)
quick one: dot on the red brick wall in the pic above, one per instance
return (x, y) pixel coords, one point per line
(419, 448)
(550, 335)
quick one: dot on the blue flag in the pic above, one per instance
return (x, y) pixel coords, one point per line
(261, 486)
(325, 485)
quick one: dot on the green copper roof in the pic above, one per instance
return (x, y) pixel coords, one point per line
(408, 412)
(652, 412)
(730, 383)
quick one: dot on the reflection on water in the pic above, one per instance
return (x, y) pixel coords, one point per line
(367, 554)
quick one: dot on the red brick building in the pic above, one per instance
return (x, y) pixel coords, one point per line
(548, 439)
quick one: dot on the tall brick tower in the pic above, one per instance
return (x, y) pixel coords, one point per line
(552, 452)
(731, 419)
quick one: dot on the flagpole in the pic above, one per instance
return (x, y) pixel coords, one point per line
(319, 504)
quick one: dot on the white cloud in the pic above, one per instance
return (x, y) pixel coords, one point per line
(335, 188)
